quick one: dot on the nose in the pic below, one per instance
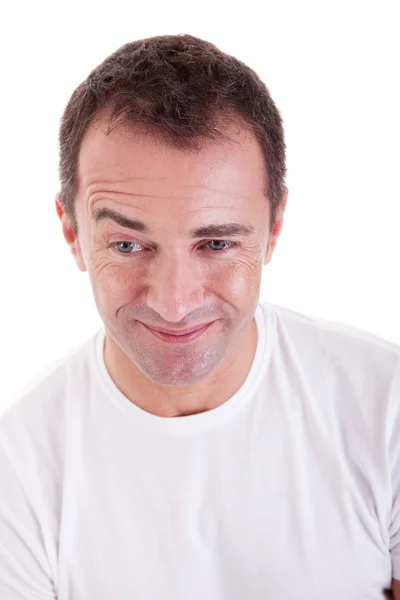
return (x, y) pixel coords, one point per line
(175, 285)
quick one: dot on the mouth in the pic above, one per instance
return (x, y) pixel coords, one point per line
(179, 337)
(177, 331)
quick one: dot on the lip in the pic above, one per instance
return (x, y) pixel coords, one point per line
(179, 339)
(178, 331)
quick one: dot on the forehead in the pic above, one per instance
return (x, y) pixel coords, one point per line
(126, 156)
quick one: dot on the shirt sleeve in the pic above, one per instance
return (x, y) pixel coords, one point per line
(24, 568)
(394, 462)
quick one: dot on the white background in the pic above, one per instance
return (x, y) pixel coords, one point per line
(333, 70)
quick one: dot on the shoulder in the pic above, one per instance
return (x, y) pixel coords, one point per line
(333, 345)
(350, 376)
(37, 415)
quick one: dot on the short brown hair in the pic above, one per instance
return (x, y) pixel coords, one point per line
(178, 88)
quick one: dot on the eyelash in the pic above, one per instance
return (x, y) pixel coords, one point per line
(231, 247)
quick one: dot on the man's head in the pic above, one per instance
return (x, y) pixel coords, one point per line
(173, 133)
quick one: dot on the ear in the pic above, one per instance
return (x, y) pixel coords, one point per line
(277, 228)
(69, 234)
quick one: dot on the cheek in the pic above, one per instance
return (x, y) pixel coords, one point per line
(240, 285)
(114, 285)
(240, 281)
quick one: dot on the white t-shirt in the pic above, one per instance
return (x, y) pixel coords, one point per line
(290, 490)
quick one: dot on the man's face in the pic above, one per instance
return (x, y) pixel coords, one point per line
(163, 277)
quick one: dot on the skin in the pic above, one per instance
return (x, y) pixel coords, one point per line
(169, 279)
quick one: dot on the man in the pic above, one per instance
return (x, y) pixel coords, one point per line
(202, 444)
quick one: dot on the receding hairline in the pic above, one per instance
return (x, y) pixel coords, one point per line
(230, 127)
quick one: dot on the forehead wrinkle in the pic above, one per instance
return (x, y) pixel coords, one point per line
(92, 178)
(94, 195)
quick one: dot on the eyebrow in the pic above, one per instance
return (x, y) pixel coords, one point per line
(225, 229)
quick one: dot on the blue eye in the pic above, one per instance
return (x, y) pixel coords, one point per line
(221, 242)
(126, 247)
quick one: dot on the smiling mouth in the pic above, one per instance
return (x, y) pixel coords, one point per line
(179, 338)
(179, 332)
